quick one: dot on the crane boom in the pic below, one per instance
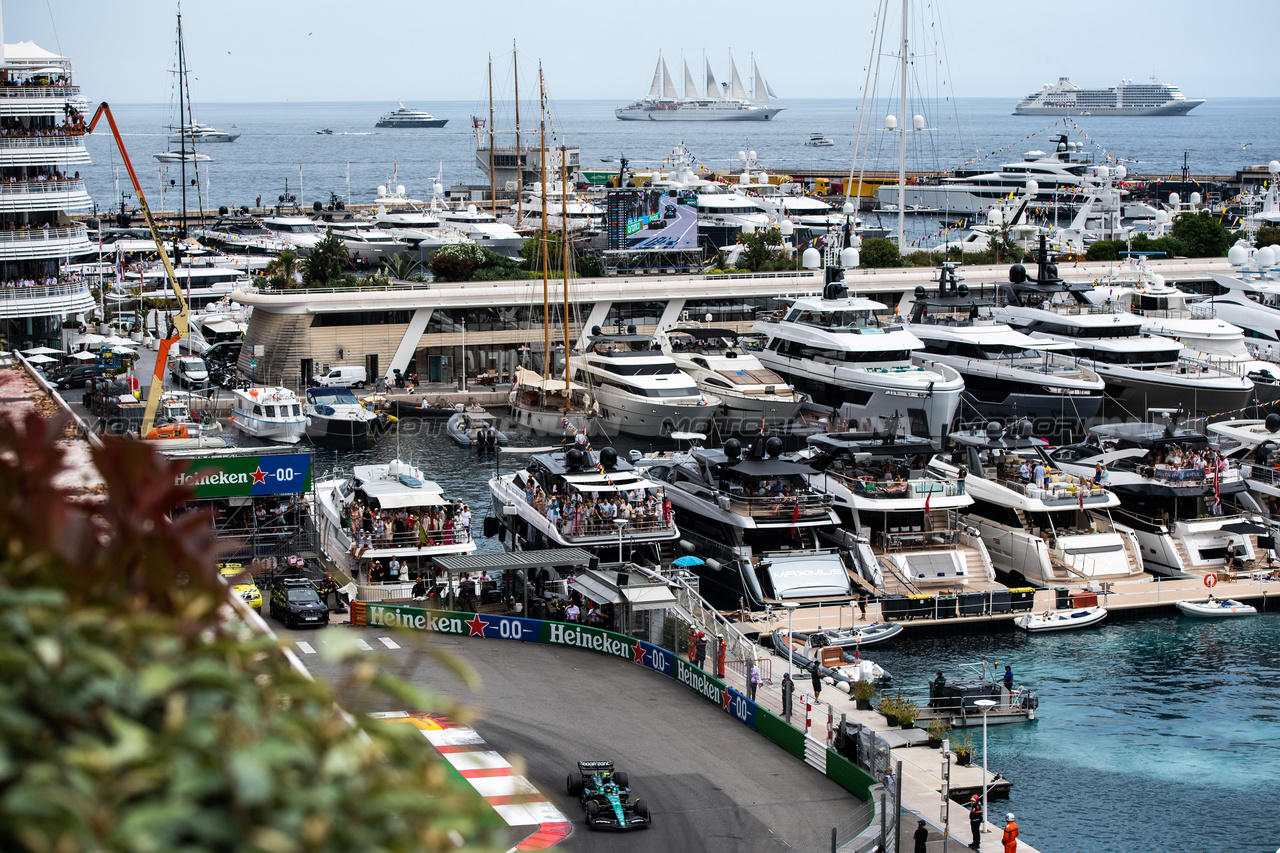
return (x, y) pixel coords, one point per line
(179, 321)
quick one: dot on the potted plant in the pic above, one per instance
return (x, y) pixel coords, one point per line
(936, 731)
(908, 712)
(889, 707)
(862, 693)
(962, 746)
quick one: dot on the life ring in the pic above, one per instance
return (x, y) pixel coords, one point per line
(1211, 580)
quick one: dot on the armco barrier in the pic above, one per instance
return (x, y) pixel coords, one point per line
(656, 658)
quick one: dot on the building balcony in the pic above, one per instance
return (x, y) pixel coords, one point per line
(57, 300)
(43, 243)
(17, 92)
(59, 150)
(35, 196)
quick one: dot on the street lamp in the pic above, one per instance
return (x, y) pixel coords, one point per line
(791, 609)
(621, 523)
(986, 705)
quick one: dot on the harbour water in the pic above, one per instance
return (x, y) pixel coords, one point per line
(1158, 732)
(279, 139)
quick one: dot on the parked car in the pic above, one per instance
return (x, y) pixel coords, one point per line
(295, 601)
(190, 370)
(343, 376)
(78, 376)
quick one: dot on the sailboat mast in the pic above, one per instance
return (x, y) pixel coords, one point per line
(902, 139)
(515, 63)
(182, 126)
(564, 251)
(493, 176)
(542, 167)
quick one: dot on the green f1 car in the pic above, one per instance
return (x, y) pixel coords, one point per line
(606, 797)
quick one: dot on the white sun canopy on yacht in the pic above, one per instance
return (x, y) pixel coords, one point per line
(808, 575)
(400, 500)
(597, 483)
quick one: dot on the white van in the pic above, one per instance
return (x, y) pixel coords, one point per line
(344, 377)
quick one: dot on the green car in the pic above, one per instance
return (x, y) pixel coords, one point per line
(606, 797)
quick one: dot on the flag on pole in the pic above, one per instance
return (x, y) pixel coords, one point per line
(927, 497)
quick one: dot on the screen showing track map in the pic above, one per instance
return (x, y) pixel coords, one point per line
(653, 219)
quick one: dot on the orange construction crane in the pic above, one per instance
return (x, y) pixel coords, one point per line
(178, 328)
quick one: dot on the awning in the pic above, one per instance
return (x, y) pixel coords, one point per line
(649, 597)
(768, 468)
(1243, 527)
(222, 327)
(399, 500)
(503, 560)
(596, 591)
(82, 356)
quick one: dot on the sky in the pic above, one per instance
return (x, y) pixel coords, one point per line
(383, 50)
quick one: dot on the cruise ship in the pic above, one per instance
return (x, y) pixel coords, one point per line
(41, 156)
(1128, 99)
(719, 103)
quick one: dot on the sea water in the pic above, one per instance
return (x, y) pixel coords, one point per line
(1159, 733)
(279, 143)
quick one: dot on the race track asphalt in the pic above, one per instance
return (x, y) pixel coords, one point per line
(712, 783)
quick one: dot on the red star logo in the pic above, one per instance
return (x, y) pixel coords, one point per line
(639, 652)
(477, 626)
(259, 476)
(727, 698)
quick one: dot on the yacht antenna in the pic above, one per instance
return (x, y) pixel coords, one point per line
(564, 251)
(182, 130)
(902, 138)
(542, 168)
(493, 177)
(515, 63)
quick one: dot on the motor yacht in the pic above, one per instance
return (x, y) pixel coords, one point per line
(1256, 444)
(216, 323)
(1007, 374)
(753, 397)
(365, 242)
(483, 228)
(1250, 299)
(271, 413)
(582, 498)
(335, 418)
(241, 235)
(1177, 493)
(1053, 531)
(1141, 371)
(182, 156)
(757, 524)
(841, 351)
(203, 133)
(901, 523)
(420, 524)
(820, 140)
(421, 230)
(406, 117)
(641, 391)
(565, 210)
(300, 233)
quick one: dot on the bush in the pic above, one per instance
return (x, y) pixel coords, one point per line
(1268, 235)
(1106, 250)
(863, 691)
(880, 252)
(456, 262)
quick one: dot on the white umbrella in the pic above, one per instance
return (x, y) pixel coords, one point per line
(124, 351)
(82, 356)
(89, 339)
(42, 351)
(116, 341)
(40, 358)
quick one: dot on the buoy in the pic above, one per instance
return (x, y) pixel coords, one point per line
(1211, 581)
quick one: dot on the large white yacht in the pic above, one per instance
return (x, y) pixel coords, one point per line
(1007, 374)
(421, 230)
(1058, 177)
(664, 104)
(335, 418)
(218, 322)
(483, 228)
(901, 523)
(758, 526)
(838, 350)
(1057, 532)
(365, 242)
(640, 390)
(1176, 495)
(240, 235)
(565, 210)
(753, 396)
(299, 232)
(407, 117)
(203, 133)
(1251, 298)
(1141, 371)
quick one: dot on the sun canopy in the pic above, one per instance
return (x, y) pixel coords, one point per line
(222, 327)
(1243, 527)
(40, 359)
(42, 351)
(768, 468)
(82, 356)
(400, 500)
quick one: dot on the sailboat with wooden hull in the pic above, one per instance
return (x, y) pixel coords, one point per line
(663, 104)
(545, 404)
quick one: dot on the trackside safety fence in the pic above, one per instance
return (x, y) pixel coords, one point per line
(727, 699)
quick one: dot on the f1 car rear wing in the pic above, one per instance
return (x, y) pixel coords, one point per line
(590, 767)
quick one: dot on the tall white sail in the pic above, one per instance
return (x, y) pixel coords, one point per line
(655, 89)
(668, 88)
(713, 88)
(690, 89)
(736, 89)
(760, 87)
(769, 89)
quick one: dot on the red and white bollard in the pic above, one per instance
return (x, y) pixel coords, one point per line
(808, 714)
(831, 726)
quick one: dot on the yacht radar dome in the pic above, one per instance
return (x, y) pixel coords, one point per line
(1272, 422)
(994, 430)
(1033, 188)
(811, 259)
(382, 191)
(1274, 167)
(1175, 199)
(848, 209)
(917, 122)
(1237, 255)
(890, 122)
(1265, 258)
(1195, 198)
(849, 257)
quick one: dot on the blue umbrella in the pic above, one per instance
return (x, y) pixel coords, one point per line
(688, 560)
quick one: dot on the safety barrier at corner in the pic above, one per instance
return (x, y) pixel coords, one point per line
(712, 689)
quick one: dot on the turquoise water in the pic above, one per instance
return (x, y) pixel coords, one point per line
(1153, 733)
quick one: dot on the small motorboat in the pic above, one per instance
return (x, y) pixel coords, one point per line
(325, 132)
(818, 140)
(834, 662)
(440, 408)
(1216, 608)
(850, 639)
(1061, 620)
(474, 429)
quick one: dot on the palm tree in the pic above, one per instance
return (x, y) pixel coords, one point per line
(327, 262)
(283, 269)
(402, 268)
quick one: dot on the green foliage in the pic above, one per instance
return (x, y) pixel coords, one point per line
(403, 268)
(531, 251)
(138, 717)
(456, 262)
(590, 265)
(326, 265)
(863, 690)
(908, 712)
(889, 706)
(1202, 233)
(1110, 250)
(962, 744)
(880, 252)
(1106, 250)
(281, 271)
(937, 729)
(1268, 235)
(763, 250)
